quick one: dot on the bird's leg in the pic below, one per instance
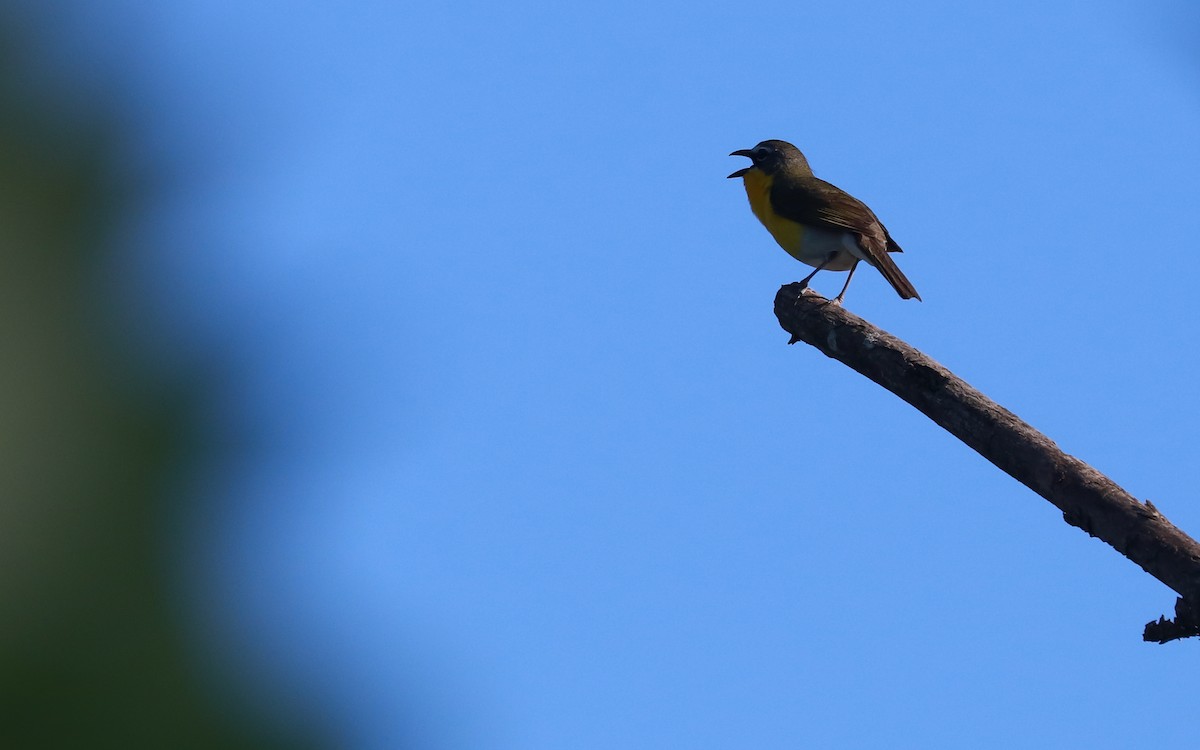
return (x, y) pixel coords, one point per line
(808, 278)
(838, 299)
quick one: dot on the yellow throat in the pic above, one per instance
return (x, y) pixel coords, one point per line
(786, 232)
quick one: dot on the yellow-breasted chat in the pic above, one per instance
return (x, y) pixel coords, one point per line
(815, 222)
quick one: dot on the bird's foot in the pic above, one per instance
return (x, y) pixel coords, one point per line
(799, 289)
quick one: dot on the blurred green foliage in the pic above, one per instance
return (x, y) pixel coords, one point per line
(91, 650)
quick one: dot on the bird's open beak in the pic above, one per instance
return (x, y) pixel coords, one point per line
(741, 152)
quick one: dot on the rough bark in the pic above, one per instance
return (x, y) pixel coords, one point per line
(1087, 498)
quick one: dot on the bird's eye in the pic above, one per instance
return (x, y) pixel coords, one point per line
(761, 154)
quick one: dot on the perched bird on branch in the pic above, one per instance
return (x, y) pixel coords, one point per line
(815, 222)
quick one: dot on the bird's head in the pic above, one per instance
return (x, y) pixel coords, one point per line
(771, 156)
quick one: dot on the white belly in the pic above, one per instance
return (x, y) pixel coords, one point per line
(819, 244)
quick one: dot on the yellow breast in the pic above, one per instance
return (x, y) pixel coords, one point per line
(786, 232)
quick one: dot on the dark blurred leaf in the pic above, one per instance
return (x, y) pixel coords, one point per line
(90, 652)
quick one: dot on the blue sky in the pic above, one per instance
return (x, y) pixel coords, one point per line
(517, 455)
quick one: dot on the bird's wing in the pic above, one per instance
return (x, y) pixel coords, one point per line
(817, 203)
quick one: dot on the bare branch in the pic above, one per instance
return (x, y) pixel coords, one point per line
(1087, 498)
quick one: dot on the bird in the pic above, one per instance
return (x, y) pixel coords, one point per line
(815, 222)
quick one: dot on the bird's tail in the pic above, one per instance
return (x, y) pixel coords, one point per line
(896, 278)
